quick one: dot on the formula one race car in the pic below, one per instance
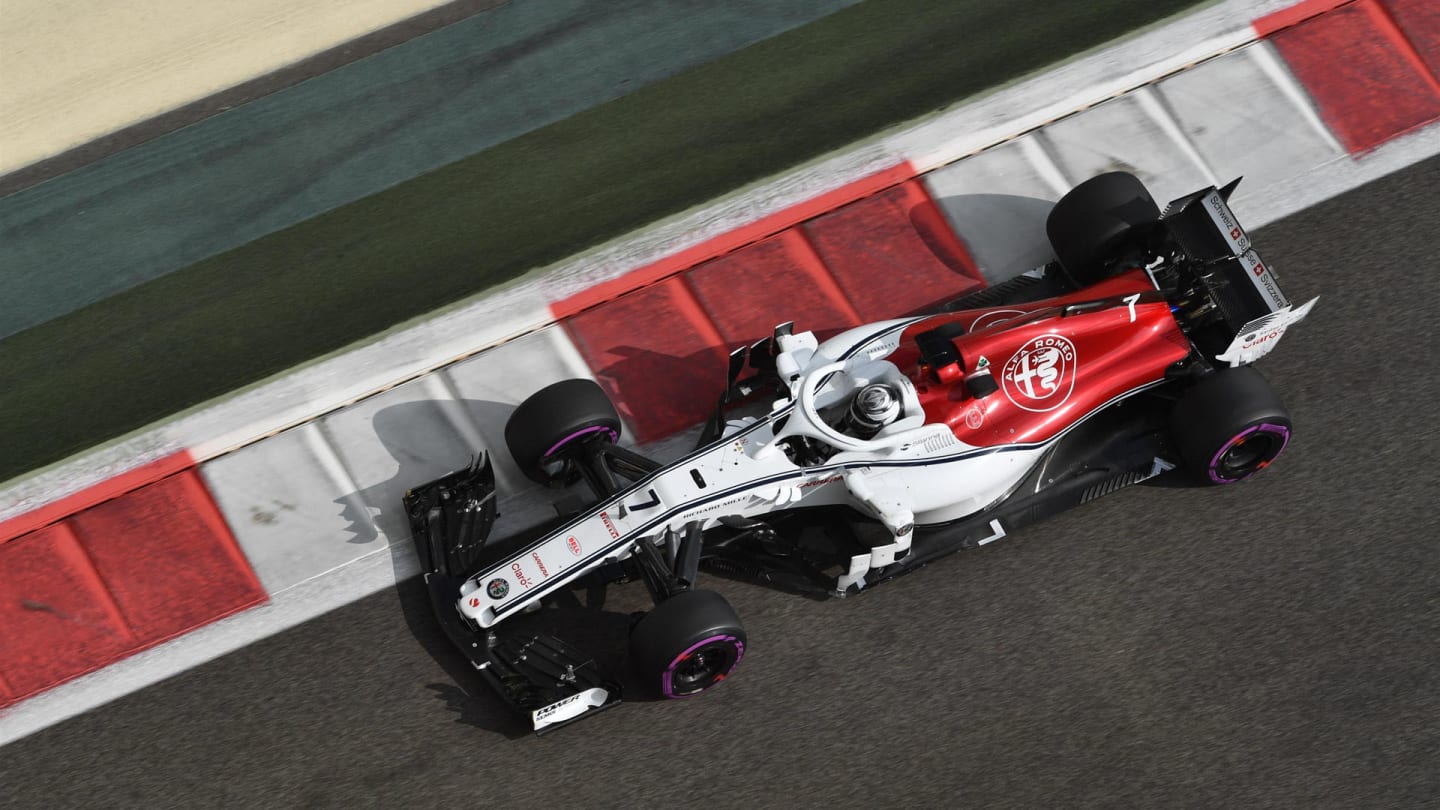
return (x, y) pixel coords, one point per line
(878, 450)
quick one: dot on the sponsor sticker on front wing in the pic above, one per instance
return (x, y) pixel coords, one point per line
(568, 708)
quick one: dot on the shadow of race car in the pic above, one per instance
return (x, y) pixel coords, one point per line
(830, 467)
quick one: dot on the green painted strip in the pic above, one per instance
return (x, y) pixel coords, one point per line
(349, 133)
(235, 318)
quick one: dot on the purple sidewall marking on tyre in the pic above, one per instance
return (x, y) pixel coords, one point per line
(665, 683)
(577, 434)
(1266, 427)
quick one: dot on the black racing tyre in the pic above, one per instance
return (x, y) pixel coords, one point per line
(1229, 426)
(687, 644)
(555, 419)
(1096, 221)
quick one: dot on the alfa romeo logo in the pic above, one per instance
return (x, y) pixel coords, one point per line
(1041, 375)
(497, 588)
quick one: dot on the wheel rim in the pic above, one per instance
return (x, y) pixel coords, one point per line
(577, 435)
(703, 665)
(556, 465)
(1249, 452)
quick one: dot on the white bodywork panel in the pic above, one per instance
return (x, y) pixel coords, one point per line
(569, 707)
(1259, 336)
(906, 474)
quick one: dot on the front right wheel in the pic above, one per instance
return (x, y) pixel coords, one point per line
(1229, 426)
(1095, 223)
(687, 644)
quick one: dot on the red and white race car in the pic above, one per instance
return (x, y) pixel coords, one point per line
(878, 450)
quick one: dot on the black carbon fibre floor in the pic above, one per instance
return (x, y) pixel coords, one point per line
(1272, 644)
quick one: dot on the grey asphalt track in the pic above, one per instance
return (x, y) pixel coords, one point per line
(1270, 644)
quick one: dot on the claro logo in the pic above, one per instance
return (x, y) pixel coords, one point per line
(520, 575)
(1257, 338)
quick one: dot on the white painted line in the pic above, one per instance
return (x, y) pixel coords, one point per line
(1119, 135)
(321, 449)
(1154, 108)
(439, 387)
(1241, 122)
(1337, 176)
(1034, 151)
(280, 504)
(293, 398)
(1080, 85)
(997, 202)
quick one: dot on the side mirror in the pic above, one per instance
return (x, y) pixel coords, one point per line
(981, 383)
(737, 365)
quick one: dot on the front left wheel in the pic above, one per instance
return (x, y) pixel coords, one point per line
(687, 644)
(552, 423)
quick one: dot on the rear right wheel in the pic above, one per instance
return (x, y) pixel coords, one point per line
(1097, 221)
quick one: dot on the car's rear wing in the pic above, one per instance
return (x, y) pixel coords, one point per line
(1243, 288)
(1239, 282)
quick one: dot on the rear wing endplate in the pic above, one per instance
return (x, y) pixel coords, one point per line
(1258, 337)
(1238, 281)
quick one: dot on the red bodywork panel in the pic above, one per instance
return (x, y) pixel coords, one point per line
(1053, 368)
